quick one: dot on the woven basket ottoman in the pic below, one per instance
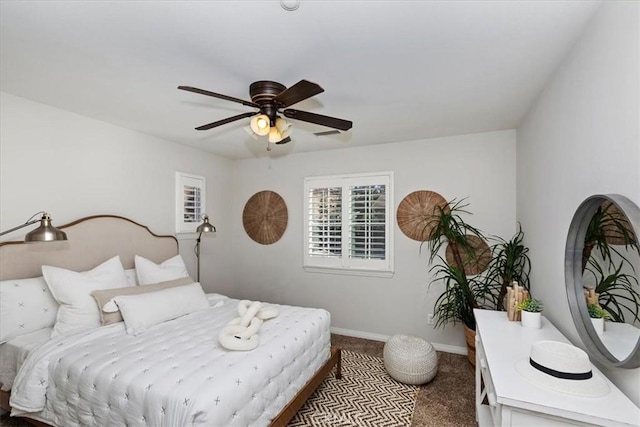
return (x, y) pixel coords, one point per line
(410, 360)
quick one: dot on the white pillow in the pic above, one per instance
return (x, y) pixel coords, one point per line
(140, 312)
(72, 290)
(149, 272)
(109, 312)
(132, 276)
(26, 305)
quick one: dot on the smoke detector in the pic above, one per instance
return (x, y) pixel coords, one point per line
(290, 5)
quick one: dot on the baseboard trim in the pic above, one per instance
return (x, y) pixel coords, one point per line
(360, 334)
(383, 338)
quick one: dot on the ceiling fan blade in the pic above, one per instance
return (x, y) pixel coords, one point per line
(284, 141)
(318, 119)
(218, 95)
(227, 120)
(298, 92)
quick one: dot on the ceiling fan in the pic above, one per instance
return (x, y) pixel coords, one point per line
(270, 98)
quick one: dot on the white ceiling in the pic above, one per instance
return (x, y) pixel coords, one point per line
(400, 70)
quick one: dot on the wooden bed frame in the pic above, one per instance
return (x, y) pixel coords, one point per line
(121, 236)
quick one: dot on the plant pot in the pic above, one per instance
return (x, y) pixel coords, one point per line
(531, 320)
(598, 325)
(470, 336)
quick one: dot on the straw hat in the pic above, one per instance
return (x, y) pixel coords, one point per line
(563, 368)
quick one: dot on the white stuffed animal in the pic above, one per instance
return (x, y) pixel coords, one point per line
(241, 333)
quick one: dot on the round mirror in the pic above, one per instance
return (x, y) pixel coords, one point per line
(602, 267)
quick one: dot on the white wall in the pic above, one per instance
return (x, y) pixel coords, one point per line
(73, 167)
(582, 137)
(480, 167)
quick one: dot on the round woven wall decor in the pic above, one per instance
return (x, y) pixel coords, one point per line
(482, 256)
(415, 212)
(614, 223)
(265, 217)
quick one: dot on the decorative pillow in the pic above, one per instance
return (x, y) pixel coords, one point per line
(72, 290)
(26, 305)
(109, 312)
(141, 312)
(149, 272)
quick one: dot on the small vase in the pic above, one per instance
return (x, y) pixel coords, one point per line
(598, 325)
(531, 320)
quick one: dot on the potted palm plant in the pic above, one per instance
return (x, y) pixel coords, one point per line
(609, 245)
(617, 291)
(461, 293)
(509, 262)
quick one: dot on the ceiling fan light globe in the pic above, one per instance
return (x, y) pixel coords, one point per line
(263, 123)
(260, 125)
(274, 135)
(282, 125)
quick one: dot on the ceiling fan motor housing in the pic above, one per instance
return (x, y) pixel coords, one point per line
(262, 93)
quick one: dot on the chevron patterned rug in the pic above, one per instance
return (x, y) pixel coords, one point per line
(365, 396)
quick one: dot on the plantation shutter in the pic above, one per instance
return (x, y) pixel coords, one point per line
(190, 201)
(192, 204)
(325, 222)
(347, 224)
(367, 221)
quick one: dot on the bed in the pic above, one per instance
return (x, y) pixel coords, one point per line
(174, 373)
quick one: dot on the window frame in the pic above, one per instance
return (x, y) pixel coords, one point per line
(344, 264)
(182, 180)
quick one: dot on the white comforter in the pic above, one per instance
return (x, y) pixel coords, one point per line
(174, 374)
(13, 353)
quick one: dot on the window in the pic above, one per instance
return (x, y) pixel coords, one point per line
(348, 224)
(190, 191)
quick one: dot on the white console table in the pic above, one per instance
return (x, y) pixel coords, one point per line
(510, 400)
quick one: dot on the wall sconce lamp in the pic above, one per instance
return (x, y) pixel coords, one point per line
(45, 233)
(204, 227)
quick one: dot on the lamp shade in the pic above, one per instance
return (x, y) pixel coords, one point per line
(260, 125)
(45, 232)
(206, 226)
(280, 131)
(283, 127)
(274, 135)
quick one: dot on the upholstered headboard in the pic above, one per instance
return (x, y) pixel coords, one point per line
(91, 241)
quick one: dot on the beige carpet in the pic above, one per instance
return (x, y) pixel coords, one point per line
(447, 401)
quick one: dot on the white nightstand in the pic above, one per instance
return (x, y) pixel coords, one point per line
(513, 401)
